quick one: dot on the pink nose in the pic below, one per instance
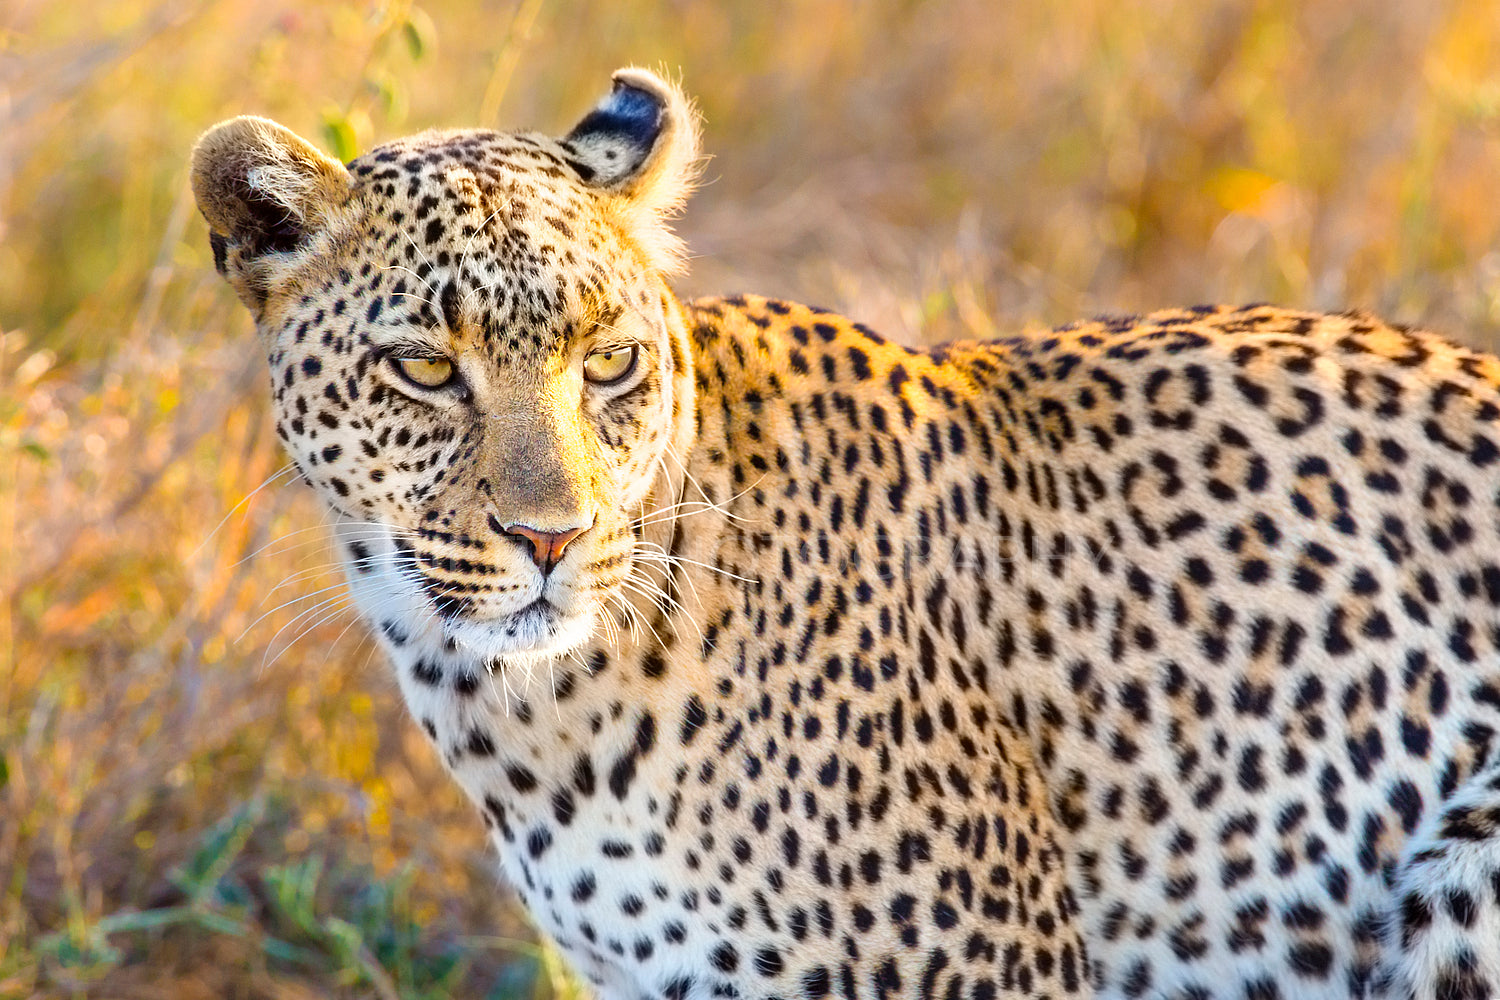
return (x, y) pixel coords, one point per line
(546, 546)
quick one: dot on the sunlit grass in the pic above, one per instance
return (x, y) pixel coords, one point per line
(194, 797)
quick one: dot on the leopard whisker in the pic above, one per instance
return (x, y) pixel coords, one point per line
(670, 450)
(340, 601)
(287, 604)
(661, 555)
(671, 609)
(288, 467)
(631, 586)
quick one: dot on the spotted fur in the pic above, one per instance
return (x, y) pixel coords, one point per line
(1153, 657)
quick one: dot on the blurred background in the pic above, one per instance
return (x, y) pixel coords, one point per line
(207, 787)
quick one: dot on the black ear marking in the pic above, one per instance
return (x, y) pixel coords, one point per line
(220, 244)
(265, 227)
(630, 114)
(617, 136)
(272, 227)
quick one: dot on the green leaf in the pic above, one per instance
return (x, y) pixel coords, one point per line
(218, 849)
(84, 950)
(340, 135)
(345, 938)
(391, 95)
(420, 33)
(294, 888)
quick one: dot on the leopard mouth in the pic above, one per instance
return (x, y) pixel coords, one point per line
(537, 631)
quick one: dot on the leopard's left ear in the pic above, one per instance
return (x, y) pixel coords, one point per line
(640, 143)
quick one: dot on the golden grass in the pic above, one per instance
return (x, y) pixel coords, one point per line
(206, 785)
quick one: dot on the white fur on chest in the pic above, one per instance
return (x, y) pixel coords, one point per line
(585, 851)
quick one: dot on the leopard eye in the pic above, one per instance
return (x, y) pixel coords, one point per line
(612, 365)
(429, 373)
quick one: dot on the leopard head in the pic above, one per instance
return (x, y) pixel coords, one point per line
(475, 358)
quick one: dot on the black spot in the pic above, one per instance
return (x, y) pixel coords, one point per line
(583, 775)
(861, 362)
(816, 982)
(480, 743)
(694, 715)
(538, 842)
(623, 772)
(1407, 801)
(1311, 959)
(1416, 916)
(768, 962)
(1461, 907)
(724, 957)
(563, 806)
(361, 554)
(426, 672)
(521, 778)
(220, 246)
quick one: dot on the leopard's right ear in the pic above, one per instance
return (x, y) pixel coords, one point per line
(264, 190)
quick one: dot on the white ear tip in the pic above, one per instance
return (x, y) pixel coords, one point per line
(642, 79)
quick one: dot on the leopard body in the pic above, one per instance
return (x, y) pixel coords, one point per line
(1152, 657)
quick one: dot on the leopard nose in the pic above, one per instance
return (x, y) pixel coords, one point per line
(546, 546)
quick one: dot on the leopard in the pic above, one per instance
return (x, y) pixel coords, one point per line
(1151, 656)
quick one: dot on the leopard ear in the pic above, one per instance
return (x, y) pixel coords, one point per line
(264, 190)
(641, 143)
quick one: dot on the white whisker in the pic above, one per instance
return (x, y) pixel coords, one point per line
(286, 604)
(315, 609)
(288, 467)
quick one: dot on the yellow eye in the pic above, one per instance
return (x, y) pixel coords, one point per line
(604, 367)
(429, 373)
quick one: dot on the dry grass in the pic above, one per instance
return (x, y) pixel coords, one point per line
(206, 785)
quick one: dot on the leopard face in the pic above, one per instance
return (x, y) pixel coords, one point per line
(474, 356)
